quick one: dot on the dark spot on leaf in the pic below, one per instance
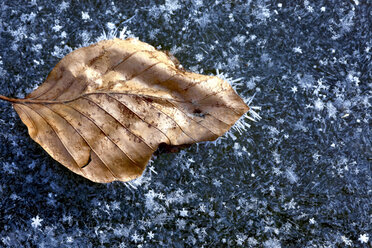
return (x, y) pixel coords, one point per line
(197, 111)
(148, 99)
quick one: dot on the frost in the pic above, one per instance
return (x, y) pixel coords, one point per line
(6, 241)
(85, 36)
(240, 239)
(198, 3)
(272, 243)
(63, 34)
(273, 131)
(184, 212)
(291, 175)
(233, 62)
(312, 221)
(318, 104)
(308, 157)
(262, 13)
(172, 5)
(251, 83)
(265, 58)
(240, 39)
(297, 50)
(175, 49)
(2, 71)
(347, 22)
(85, 15)
(276, 157)
(252, 242)
(354, 79)
(199, 57)
(36, 47)
(113, 33)
(36, 221)
(57, 27)
(28, 17)
(242, 124)
(231, 17)
(181, 224)
(126, 33)
(332, 111)
(19, 34)
(310, 9)
(115, 205)
(316, 157)
(9, 168)
(363, 238)
(150, 235)
(290, 205)
(294, 89)
(61, 52)
(202, 208)
(346, 241)
(217, 182)
(204, 20)
(136, 238)
(64, 5)
(111, 25)
(306, 82)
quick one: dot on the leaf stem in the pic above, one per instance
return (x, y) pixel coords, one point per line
(16, 100)
(9, 99)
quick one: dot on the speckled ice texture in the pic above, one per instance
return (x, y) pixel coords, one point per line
(299, 177)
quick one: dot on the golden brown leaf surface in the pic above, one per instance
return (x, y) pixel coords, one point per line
(104, 109)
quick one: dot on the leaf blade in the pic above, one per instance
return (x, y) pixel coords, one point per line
(104, 109)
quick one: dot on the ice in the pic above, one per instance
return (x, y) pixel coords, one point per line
(295, 171)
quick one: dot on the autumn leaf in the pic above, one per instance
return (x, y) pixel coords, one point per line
(105, 109)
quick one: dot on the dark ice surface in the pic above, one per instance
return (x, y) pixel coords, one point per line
(298, 177)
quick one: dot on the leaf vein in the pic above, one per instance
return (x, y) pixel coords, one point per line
(121, 124)
(170, 142)
(58, 136)
(90, 146)
(176, 106)
(169, 118)
(108, 136)
(28, 116)
(56, 82)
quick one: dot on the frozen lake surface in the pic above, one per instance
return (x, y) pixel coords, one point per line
(299, 177)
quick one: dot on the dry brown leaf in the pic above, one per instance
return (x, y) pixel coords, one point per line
(104, 109)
